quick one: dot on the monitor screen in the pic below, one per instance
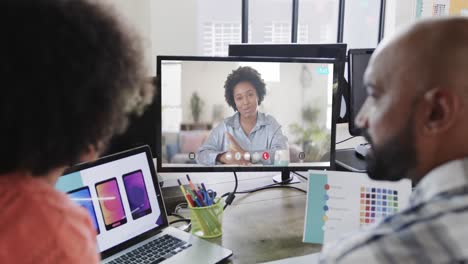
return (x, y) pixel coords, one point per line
(244, 113)
(358, 60)
(335, 51)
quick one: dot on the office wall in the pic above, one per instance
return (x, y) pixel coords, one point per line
(208, 81)
(137, 15)
(399, 14)
(173, 31)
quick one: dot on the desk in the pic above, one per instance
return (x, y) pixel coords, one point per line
(265, 225)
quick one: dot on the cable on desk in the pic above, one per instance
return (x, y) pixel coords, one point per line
(231, 195)
(300, 175)
(284, 184)
(268, 186)
(272, 187)
(176, 215)
(255, 189)
(180, 206)
(260, 188)
(180, 220)
(344, 140)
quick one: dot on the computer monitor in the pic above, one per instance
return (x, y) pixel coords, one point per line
(335, 51)
(294, 127)
(357, 64)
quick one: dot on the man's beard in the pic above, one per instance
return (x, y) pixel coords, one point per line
(393, 160)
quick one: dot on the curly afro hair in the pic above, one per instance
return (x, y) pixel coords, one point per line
(243, 74)
(71, 74)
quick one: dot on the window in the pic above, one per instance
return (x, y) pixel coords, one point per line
(318, 21)
(199, 27)
(270, 21)
(219, 24)
(218, 35)
(277, 32)
(361, 23)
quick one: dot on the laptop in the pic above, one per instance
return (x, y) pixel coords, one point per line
(122, 195)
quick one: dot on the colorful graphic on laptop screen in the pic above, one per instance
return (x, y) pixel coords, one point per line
(137, 194)
(82, 196)
(110, 203)
(119, 196)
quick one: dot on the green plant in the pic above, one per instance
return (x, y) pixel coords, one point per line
(313, 140)
(196, 105)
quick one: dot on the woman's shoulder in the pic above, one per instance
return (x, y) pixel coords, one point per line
(268, 119)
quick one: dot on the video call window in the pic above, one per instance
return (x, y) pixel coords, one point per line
(204, 104)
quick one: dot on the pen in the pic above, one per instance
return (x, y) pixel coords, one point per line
(208, 198)
(194, 198)
(203, 186)
(203, 194)
(198, 202)
(209, 201)
(189, 200)
(190, 183)
(200, 198)
(181, 187)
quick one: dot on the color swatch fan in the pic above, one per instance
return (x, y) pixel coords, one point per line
(342, 202)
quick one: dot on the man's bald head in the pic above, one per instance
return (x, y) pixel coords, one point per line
(432, 53)
(418, 99)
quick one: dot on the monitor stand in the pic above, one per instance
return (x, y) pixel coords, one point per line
(286, 177)
(348, 159)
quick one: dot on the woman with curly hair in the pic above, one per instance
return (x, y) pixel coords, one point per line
(71, 75)
(248, 136)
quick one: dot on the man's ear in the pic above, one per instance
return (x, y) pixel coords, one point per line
(441, 107)
(90, 154)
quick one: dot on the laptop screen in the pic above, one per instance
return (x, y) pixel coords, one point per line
(118, 194)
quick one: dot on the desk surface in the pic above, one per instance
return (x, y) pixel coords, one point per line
(266, 225)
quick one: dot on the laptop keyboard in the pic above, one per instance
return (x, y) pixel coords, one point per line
(155, 251)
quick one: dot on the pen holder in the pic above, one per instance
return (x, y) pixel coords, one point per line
(207, 221)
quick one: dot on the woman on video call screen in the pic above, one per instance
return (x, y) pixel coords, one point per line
(245, 113)
(248, 136)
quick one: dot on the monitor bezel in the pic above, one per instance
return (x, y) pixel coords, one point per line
(286, 50)
(221, 168)
(353, 130)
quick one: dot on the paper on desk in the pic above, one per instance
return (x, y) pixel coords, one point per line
(343, 202)
(307, 259)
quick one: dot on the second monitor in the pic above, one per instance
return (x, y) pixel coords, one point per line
(357, 64)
